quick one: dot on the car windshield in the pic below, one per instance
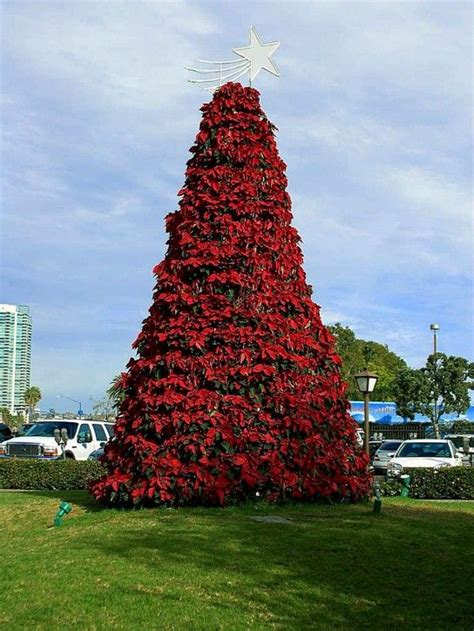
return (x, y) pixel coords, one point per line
(392, 445)
(47, 429)
(425, 450)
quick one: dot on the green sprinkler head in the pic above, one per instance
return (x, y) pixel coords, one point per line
(64, 509)
(378, 499)
(405, 479)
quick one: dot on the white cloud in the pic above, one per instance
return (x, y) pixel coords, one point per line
(431, 191)
(363, 49)
(109, 54)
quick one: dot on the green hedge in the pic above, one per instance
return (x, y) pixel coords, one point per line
(456, 483)
(53, 475)
(453, 483)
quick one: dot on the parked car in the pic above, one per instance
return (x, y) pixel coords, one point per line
(424, 453)
(96, 454)
(384, 454)
(5, 432)
(459, 440)
(39, 442)
(373, 446)
(464, 443)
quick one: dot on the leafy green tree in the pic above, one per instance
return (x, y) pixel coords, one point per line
(444, 380)
(350, 351)
(357, 354)
(461, 426)
(386, 364)
(31, 397)
(410, 387)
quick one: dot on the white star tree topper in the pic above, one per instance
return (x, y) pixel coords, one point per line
(254, 57)
(259, 55)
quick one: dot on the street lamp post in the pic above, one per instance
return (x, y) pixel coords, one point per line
(435, 329)
(366, 382)
(80, 411)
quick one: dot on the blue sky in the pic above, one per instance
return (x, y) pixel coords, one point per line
(374, 114)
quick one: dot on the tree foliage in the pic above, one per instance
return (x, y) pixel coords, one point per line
(444, 379)
(357, 354)
(462, 426)
(6, 416)
(32, 397)
(116, 391)
(14, 421)
(103, 408)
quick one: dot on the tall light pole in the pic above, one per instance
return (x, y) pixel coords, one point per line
(366, 382)
(435, 329)
(80, 411)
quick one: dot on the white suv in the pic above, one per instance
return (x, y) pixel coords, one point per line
(39, 442)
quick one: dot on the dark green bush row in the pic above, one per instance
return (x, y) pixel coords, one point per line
(453, 483)
(55, 475)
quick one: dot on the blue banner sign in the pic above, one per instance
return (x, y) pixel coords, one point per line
(383, 409)
(377, 409)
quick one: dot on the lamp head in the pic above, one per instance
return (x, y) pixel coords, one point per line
(366, 381)
(434, 327)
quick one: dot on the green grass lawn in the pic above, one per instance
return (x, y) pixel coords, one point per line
(333, 567)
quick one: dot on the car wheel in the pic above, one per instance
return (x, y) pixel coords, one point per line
(69, 455)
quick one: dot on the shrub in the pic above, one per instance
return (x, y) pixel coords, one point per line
(450, 483)
(54, 475)
(462, 426)
(390, 487)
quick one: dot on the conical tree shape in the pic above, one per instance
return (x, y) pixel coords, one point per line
(236, 388)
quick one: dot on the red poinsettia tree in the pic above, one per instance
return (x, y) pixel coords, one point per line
(236, 387)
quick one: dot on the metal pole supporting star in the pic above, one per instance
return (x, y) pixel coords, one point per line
(254, 58)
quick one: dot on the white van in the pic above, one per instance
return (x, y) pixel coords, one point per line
(39, 441)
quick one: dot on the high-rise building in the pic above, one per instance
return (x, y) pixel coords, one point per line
(15, 356)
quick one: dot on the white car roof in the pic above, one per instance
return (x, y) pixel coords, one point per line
(427, 440)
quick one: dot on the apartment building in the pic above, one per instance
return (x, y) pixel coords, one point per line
(15, 356)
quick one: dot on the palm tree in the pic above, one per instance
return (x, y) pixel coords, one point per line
(116, 391)
(32, 396)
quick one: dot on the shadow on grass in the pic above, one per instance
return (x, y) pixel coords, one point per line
(406, 568)
(78, 498)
